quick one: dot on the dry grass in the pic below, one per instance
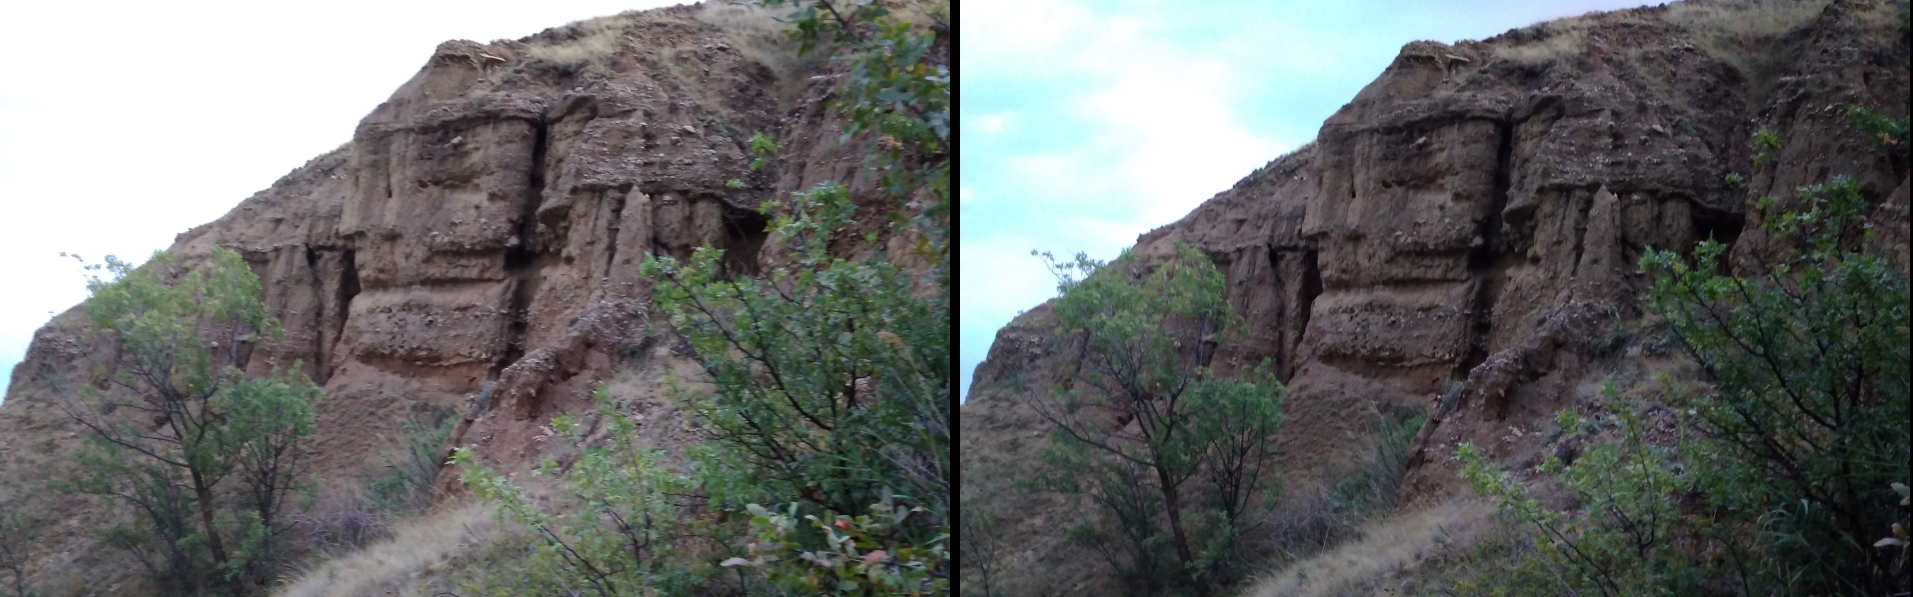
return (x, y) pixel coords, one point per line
(1726, 26)
(582, 41)
(343, 519)
(1560, 38)
(419, 552)
(755, 19)
(1735, 31)
(1387, 554)
(1744, 34)
(755, 32)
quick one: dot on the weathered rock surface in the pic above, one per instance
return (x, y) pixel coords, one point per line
(1467, 223)
(483, 229)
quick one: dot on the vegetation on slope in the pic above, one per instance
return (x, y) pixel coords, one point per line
(205, 461)
(1145, 416)
(1786, 472)
(205, 466)
(826, 462)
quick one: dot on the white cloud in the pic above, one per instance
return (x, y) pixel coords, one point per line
(964, 196)
(1104, 237)
(1168, 130)
(994, 123)
(1014, 280)
(1176, 124)
(1064, 179)
(1029, 32)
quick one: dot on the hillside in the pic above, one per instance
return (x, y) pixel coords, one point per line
(473, 251)
(1461, 239)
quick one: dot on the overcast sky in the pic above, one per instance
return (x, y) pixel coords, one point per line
(125, 123)
(1088, 122)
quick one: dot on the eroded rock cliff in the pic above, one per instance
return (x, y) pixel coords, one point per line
(475, 247)
(1460, 233)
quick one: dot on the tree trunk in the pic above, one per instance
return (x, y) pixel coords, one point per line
(205, 495)
(1173, 507)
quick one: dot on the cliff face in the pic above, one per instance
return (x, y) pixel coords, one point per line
(1469, 223)
(482, 231)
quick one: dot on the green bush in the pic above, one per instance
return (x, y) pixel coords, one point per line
(628, 527)
(1626, 537)
(1373, 486)
(406, 485)
(1808, 412)
(862, 555)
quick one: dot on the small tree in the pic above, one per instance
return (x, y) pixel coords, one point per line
(982, 539)
(17, 535)
(180, 419)
(1144, 401)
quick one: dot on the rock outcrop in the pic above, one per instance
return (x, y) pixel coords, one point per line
(475, 247)
(1457, 235)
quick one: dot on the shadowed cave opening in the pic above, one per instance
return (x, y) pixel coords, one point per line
(1721, 226)
(744, 236)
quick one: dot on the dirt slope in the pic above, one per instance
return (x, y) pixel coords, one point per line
(1470, 222)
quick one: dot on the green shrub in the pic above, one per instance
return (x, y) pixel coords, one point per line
(862, 555)
(406, 485)
(1809, 359)
(1373, 486)
(629, 525)
(1626, 537)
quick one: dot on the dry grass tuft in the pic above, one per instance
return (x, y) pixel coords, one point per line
(746, 18)
(757, 34)
(582, 41)
(1735, 31)
(1558, 42)
(1388, 551)
(342, 520)
(1544, 42)
(403, 565)
(1745, 34)
(1727, 26)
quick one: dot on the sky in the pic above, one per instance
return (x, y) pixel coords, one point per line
(125, 123)
(1085, 123)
